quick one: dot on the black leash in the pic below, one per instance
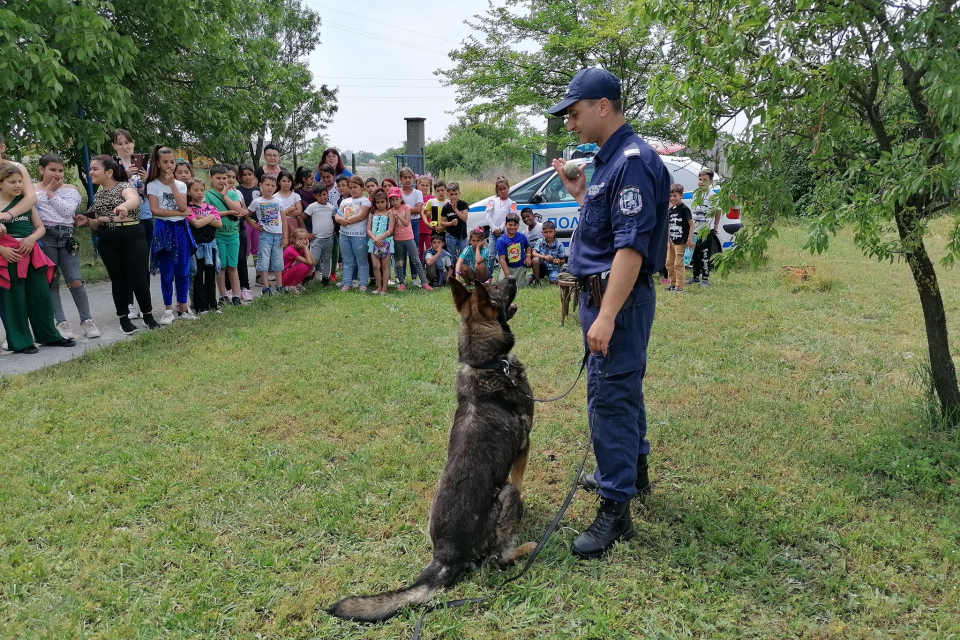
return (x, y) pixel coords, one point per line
(583, 365)
(503, 366)
(546, 534)
(530, 559)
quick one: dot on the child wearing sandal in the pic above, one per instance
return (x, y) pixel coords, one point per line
(380, 227)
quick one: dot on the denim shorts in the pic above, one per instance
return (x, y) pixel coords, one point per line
(270, 255)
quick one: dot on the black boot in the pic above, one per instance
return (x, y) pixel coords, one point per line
(590, 483)
(612, 524)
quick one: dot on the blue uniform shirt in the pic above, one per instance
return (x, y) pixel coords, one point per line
(625, 207)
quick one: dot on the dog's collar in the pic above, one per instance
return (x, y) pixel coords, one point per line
(503, 366)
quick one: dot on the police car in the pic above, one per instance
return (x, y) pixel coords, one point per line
(546, 195)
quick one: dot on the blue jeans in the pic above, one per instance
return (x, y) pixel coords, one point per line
(270, 253)
(454, 246)
(615, 392)
(355, 265)
(416, 239)
(54, 244)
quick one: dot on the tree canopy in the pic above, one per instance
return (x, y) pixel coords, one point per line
(525, 52)
(865, 92)
(210, 75)
(474, 145)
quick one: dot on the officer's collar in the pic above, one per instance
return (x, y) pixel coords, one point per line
(613, 142)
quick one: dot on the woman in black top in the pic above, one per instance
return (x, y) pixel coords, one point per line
(115, 218)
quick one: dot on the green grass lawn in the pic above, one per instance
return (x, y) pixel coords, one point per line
(231, 477)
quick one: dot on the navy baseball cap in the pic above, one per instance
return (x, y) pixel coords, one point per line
(588, 84)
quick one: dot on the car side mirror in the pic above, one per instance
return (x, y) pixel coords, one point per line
(538, 199)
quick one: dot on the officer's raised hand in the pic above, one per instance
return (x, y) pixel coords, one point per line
(576, 187)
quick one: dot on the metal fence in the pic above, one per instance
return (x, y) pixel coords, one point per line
(417, 163)
(538, 163)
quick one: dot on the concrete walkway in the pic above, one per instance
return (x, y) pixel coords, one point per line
(104, 314)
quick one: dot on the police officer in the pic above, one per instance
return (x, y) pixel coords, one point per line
(618, 246)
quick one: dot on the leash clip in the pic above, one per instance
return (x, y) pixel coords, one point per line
(505, 367)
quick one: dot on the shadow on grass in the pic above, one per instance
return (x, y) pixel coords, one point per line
(905, 461)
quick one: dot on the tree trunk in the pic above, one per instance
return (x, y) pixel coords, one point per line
(255, 152)
(934, 316)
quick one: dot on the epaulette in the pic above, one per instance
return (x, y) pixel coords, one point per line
(631, 149)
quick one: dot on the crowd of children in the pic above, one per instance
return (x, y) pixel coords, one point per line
(153, 215)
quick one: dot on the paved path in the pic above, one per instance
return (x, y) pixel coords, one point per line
(104, 314)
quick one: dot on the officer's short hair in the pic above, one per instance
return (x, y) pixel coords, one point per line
(512, 217)
(548, 225)
(616, 105)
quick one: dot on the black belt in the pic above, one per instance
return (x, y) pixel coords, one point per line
(596, 286)
(642, 279)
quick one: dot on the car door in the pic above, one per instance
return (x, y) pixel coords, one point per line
(554, 203)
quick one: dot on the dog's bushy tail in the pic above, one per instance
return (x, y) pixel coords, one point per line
(385, 605)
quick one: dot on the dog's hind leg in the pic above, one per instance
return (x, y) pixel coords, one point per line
(523, 550)
(518, 469)
(504, 545)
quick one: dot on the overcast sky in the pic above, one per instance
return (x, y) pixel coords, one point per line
(385, 69)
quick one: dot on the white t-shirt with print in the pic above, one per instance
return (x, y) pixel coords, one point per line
(350, 207)
(497, 211)
(269, 212)
(165, 199)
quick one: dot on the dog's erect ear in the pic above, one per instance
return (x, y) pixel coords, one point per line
(468, 275)
(461, 296)
(485, 304)
(509, 288)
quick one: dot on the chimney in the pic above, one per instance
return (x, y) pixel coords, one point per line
(416, 136)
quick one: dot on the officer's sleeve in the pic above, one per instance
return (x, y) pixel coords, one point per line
(633, 206)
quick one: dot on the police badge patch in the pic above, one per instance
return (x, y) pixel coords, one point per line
(630, 201)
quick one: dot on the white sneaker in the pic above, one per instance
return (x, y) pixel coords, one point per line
(89, 328)
(167, 317)
(64, 329)
(188, 315)
(4, 347)
(229, 293)
(134, 312)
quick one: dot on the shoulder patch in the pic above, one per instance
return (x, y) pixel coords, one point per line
(630, 201)
(631, 150)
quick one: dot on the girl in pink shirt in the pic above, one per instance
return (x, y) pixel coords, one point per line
(298, 262)
(403, 242)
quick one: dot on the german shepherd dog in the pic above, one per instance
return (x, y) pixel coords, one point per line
(476, 512)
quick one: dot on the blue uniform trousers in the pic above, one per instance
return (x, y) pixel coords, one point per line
(615, 392)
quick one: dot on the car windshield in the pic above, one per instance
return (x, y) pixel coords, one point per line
(554, 191)
(524, 193)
